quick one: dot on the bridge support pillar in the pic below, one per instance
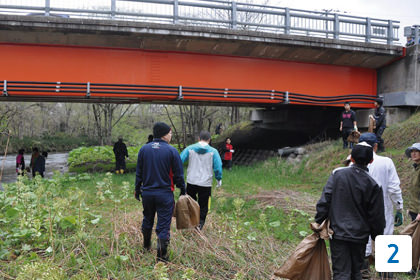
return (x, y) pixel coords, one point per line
(399, 82)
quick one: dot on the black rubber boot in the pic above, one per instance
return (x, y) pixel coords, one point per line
(365, 271)
(201, 225)
(147, 239)
(162, 250)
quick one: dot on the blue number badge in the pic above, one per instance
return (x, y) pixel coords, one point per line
(391, 259)
(393, 253)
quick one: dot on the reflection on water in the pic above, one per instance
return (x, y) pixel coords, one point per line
(54, 162)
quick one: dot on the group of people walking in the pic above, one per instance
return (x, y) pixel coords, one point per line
(160, 168)
(360, 201)
(37, 163)
(121, 153)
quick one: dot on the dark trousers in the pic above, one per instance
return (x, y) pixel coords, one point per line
(204, 193)
(227, 164)
(119, 163)
(347, 259)
(379, 131)
(162, 203)
(345, 134)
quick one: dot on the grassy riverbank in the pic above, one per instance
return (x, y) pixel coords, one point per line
(88, 226)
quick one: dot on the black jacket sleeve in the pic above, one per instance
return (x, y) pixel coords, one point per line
(139, 171)
(224, 149)
(380, 116)
(376, 212)
(125, 150)
(353, 116)
(178, 170)
(323, 205)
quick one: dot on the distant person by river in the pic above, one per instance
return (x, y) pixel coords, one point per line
(219, 129)
(20, 162)
(120, 151)
(38, 162)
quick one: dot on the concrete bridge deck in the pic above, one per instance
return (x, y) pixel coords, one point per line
(194, 39)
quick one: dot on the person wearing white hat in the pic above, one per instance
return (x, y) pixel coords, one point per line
(413, 189)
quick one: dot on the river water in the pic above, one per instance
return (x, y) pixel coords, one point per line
(54, 162)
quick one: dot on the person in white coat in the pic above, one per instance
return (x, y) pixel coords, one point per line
(382, 169)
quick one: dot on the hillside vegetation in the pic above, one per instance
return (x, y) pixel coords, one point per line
(87, 226)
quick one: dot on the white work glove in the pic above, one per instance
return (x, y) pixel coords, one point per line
(219, 184)
(232, 151)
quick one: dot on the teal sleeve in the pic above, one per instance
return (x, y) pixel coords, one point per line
(217, 165)
(184, 155)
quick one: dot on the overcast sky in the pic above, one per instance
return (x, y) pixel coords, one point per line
(405, 11)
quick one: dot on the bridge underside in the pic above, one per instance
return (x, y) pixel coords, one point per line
(93, 74)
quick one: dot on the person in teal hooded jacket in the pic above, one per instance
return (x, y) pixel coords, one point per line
(203, 160)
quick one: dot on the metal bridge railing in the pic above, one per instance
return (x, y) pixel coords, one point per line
(216, 13)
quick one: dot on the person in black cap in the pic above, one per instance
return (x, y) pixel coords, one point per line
(159, 167)
(380, 123)
(347, 124)
(354, 204)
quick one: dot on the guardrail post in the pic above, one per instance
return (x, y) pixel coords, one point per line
(176, 12)
(180, 96)
(47, 8)
(368, 30)
(234, 18)
(336, 26)
(5, 88)
(88, 90)
(286, 97)
(57, 87)
(113, 8)
(287, 21)
(390, 39)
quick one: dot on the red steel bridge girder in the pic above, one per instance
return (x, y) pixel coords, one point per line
(216, 76)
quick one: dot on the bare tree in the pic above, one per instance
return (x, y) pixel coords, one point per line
(108, 116)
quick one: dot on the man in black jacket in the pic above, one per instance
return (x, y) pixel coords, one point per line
(354, 203)
(380, 123)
